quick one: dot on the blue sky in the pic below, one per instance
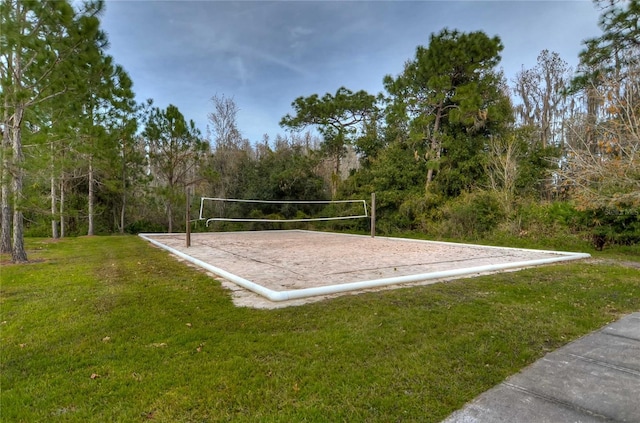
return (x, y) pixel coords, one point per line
(264, 54)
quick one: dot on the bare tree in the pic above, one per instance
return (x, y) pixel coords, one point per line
(502, 166)
(229, 148)
(602, 169)
(224, 122)
(544, 104)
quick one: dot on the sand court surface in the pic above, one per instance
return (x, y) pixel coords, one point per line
(287, 265)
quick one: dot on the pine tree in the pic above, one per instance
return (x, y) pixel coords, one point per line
(38, 38)
(448, 98)
(175, 149)
(340, 118)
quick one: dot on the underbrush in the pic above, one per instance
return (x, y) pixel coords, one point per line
(482, 216)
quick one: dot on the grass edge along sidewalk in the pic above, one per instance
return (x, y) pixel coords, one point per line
(108, 329)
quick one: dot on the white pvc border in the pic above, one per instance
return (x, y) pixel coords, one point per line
(374, 283)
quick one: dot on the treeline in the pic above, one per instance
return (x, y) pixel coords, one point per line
(451, 147)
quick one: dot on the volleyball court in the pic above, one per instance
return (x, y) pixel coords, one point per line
(289, 264)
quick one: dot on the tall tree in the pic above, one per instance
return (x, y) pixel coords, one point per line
(175, 149)
(445, 98)
(543, 109)
(37, 37)
(96, 142)
(123, 123)
(542, 97)
(5, 181)
(602, 170)
(230, 150)
(620, 35)
(46, 140)
(605, 57)
(339, 118)
(62, 139)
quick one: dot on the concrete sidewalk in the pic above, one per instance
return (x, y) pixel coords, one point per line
(593, 379)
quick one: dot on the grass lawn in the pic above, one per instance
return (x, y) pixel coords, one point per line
(110, 329)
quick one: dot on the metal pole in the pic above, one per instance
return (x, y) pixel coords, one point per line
(373, 214)
(188, 230)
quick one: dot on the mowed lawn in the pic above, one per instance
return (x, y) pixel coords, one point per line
(110, 329)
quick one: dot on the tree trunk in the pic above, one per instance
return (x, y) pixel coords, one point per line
(54, 222)
(429, 179)
(124, 187)
(592, 117)
(335, 180)
(5, 191)
(62, 227)
(435, 147)
(91, 197)
(18, 254)
(170, 215)
(5, 241)
(124, 199)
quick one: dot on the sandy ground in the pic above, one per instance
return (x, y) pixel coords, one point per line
(293, 260)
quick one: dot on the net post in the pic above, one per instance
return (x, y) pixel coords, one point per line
(373, 215)
(188, 228)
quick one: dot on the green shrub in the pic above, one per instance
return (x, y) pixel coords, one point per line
(544, 220)
(471, 215)
(612, 226)
(600, 227)
(144, 226)
(37, 229)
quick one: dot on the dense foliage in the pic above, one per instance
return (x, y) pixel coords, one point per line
(450, 148)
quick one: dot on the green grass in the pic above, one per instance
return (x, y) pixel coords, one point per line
(164, 342)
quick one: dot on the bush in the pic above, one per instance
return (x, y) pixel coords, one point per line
(37, 230)
(599, 227)
(612, 226)
(544, 220)
(422, 211)
(144, 226)
(471, 215)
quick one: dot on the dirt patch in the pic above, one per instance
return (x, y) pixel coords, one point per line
(51, 240)
(623, 263)
(6, 261)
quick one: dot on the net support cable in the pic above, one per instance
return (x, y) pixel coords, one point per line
(364, 214)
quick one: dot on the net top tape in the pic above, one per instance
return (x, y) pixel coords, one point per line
(311, 219)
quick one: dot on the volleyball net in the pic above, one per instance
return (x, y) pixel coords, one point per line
(213, 209)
